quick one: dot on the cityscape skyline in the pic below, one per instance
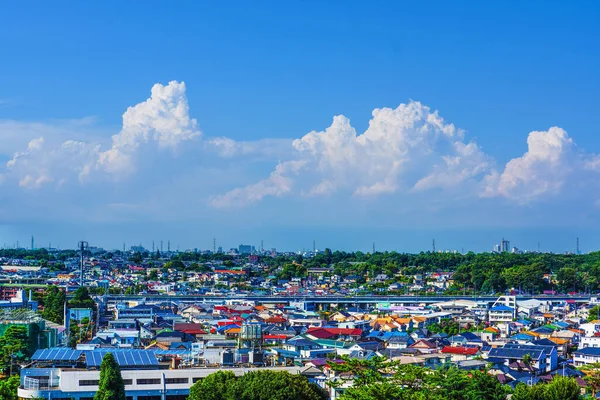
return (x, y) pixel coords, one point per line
(166, 245)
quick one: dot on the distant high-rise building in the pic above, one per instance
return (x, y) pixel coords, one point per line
(504, 245)
(246, 249)
(496, 248)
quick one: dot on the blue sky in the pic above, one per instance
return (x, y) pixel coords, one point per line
(259, 76)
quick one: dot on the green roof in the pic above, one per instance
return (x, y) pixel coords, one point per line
(334, 343)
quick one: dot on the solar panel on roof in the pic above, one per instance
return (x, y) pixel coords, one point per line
(56, 355)
(123, 357)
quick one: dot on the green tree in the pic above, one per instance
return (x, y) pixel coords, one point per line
(213, 387)
(54, 302)
(562, 388)
(272, 385)
(8, 388)
(14, 347)
(594, 313)
(153, 276)
(567, 278)
(592, 377)
(111, 385)
(256, 385)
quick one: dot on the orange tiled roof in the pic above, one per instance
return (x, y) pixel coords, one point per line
(558, 341)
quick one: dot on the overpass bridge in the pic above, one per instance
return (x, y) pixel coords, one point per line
(319, 301)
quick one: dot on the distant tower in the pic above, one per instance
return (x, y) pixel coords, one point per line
(261, 245)
(214, 245)
(153, 246)
(433, 245)
(314, 246)
(538, 247)
(83, 245)
(123, 247)
(32, 243)
(168, 246)
(373, 247)
(161, 246)
(576, 250)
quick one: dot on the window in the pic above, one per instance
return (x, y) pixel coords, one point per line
(177, 380)
(196, 379)
(88, 382)
(148, 381)
(128, 381)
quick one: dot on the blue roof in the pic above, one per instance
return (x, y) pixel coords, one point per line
(125, 358)
(522, 336)
(502, 308)
(470, 336)
(374, 334)
(589, 351)
(507, 352)
(543, 330)
(287, 353)
(56, 354)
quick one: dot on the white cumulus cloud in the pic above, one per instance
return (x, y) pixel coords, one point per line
(163, 118)
(550, 159)
(409, 147)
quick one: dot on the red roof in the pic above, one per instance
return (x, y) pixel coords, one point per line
(276, 319)
(467, 351)
(282, 337)
(326, 333)
(229, 272)
(192, 329)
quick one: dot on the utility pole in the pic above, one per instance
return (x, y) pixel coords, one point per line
(83, 246)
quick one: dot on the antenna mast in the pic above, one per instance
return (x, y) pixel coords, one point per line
(83, 246)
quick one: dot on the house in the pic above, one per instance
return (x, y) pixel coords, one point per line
(399, 342)
(460, 353)
(588, 355)
(501, 313)
(590, 328)
(425, 346)
(507, 355)
(550, 351)
(300, 345)
(593, 341)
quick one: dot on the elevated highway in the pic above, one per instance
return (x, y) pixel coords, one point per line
(334, 299)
